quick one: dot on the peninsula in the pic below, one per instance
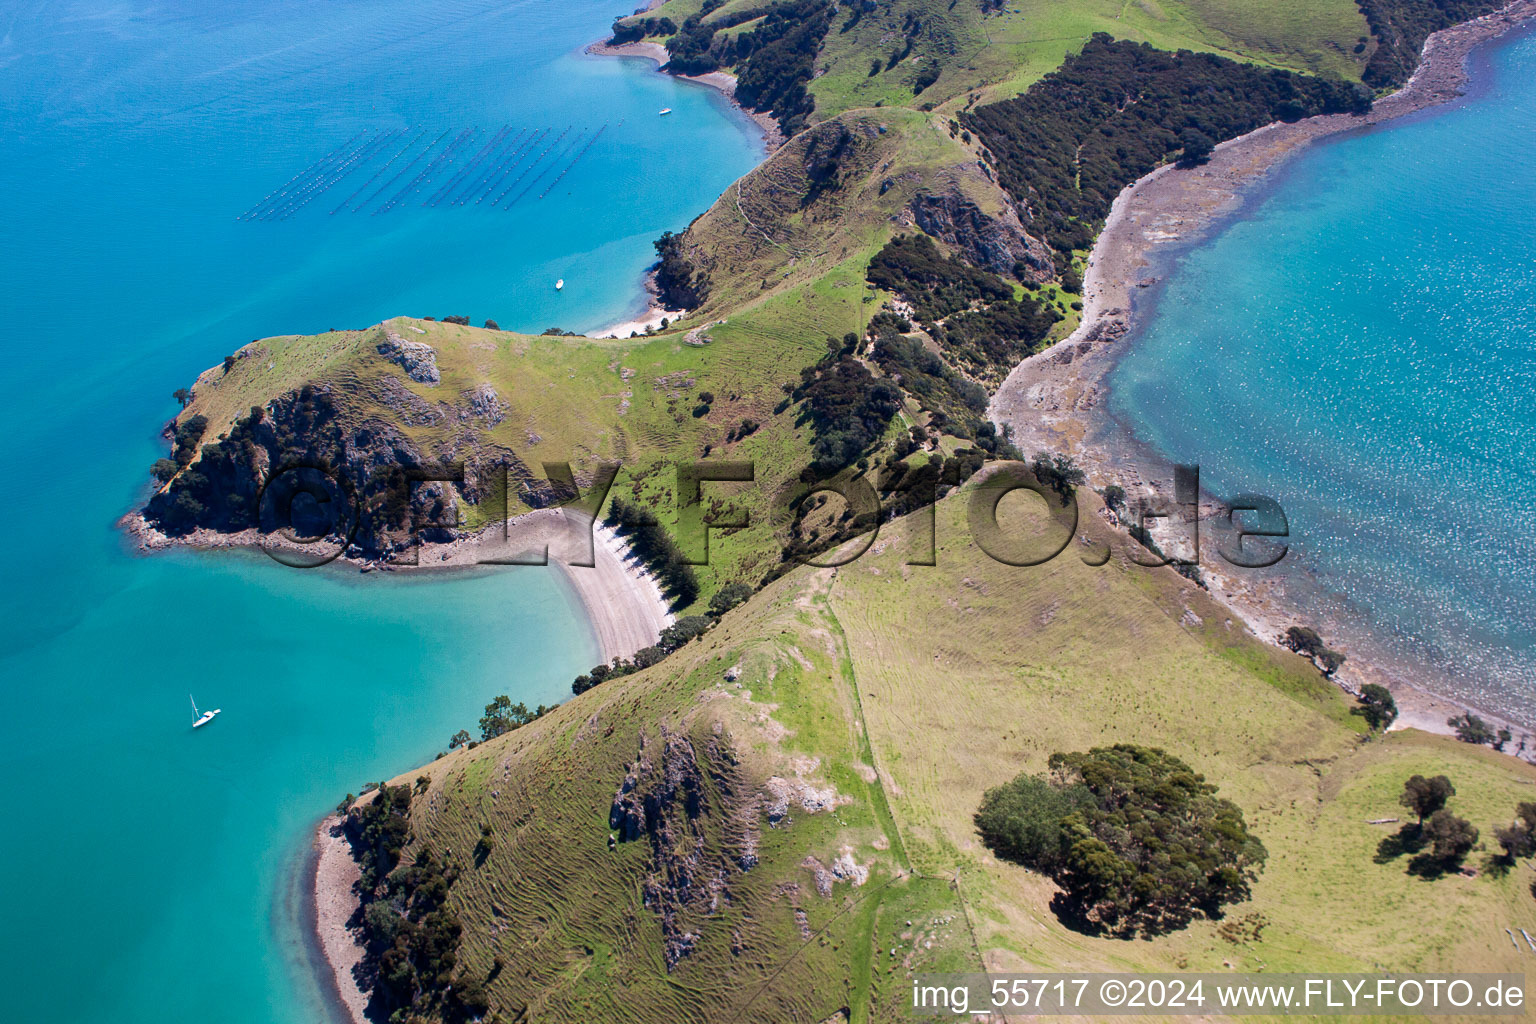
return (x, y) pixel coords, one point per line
(851, 746)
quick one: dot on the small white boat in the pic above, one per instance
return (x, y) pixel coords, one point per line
(560, 284)
(201, 719)
(665, 111)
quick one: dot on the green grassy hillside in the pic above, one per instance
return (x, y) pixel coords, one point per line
(909, 690)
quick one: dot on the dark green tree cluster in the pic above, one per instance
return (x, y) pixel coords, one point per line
(502, 716)
(1308, 643)
(672, 638)
(632, 30)
(1519, 839)
(998, 336)
(1377, 706)
(411, 933)
(1472, 729)
(780, 61)
(933, 382)
(679, 284)
(653, 545)
(1400, 28)
(1058, 472)
(846, 405)
(378, 831)
(982, 324)
(729, 596)
(220, 490)
(1138, 842)
(1117, 110)
(936, 285)
(412, 936)
(775, 61)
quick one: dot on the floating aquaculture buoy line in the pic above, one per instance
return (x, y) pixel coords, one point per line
(387, 169)
(581, 153)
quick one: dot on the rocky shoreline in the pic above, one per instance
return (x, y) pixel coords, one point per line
(1055, 399)
(333, 878)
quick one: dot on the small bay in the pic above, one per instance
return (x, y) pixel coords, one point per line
(1360, 344)
(152, 870)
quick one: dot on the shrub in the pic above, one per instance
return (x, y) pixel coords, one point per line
(728, 597)
(1451, 838)
(1067, 146)
(1306, 641)
(1196, 146)
(682, 631)
(847, 407)
(1426, 796)
(1471, 729)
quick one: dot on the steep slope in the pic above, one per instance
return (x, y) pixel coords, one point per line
(691, 843)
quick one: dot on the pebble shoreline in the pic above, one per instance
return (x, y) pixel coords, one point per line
(1055, 400)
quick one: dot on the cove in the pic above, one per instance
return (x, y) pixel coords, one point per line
(1360, 343)
(151, 870)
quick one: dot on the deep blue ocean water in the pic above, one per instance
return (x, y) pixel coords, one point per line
(1360, 344)
(149, 870)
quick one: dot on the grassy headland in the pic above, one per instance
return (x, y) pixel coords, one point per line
(775, 822)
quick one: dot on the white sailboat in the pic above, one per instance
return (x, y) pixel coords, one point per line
(201, 719)
(560, 284)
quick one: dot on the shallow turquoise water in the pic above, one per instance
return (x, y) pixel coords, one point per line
(1361, 345)
(149, 869)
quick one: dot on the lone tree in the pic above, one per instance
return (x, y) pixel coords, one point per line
(1137, 840)
(1426, 796)
(1377, 706)
(1518, 840)
(1197, 147)
(1451, 838)
(1471, 729)
(182, 395)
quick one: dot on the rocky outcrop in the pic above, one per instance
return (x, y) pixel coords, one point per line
(688, 809)
(998, 243)
(298, 445)
(416, 358)
(485, 405)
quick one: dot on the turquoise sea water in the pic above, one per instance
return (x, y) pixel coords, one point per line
(148, 869)
(1361, 345)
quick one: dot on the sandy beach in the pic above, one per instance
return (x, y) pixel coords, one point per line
(650, 320)
(621, 599)
(1054, 400)
(335, 873)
